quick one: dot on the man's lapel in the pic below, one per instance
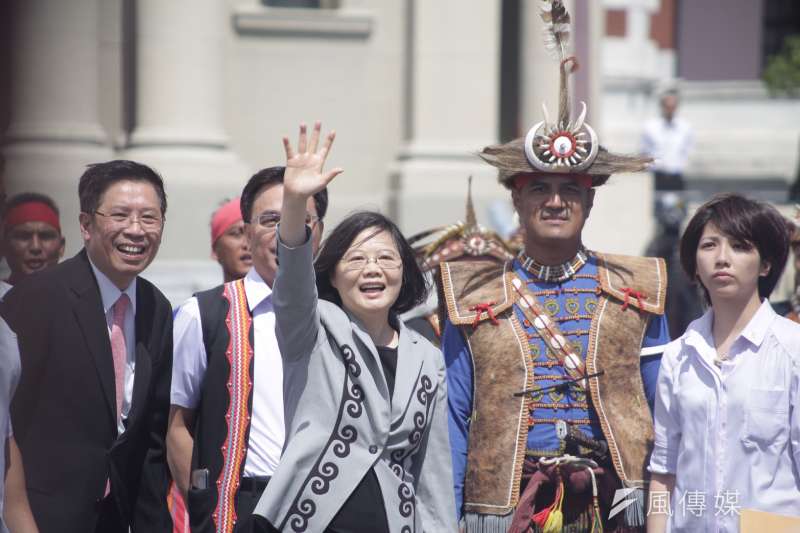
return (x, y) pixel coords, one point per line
(88, 310)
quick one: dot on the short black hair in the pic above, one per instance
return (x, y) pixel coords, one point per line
(98, 177)
(414, 287)
(32, 197)
(271, 176)
(745, 220)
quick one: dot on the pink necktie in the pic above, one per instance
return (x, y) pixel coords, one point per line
(120, 355)
(118, 348)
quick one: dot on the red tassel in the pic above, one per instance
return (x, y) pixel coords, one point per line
(636, 294)
(481, 308)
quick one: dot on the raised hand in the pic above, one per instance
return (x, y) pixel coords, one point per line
(304, 173)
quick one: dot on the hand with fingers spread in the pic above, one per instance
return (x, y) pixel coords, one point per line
(303, 178)
(304, 173)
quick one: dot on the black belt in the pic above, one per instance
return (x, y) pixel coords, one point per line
(254, 484)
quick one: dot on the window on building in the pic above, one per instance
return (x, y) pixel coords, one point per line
(781, 19)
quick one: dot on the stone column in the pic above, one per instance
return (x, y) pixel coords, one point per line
(538, 68)
(54, 129)
(179, 59)
(453, 112)
(179, 130)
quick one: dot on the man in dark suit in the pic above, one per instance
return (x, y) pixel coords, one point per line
(90, 411)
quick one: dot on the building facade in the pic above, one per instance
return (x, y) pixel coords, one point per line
(203, 90)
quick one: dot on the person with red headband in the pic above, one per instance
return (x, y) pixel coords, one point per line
(33, 239)
(15, 511)
(552, 357)
(229, 246)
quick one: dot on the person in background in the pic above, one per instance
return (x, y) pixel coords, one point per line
(227, 380)
(668, 139)
(727, 413)
(683, 303)
(15, 511)
(366, 397)
(32, 238)
(791, 309)
(95, 340)
(229, 246)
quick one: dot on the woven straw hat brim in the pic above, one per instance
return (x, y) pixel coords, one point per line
(510, 160)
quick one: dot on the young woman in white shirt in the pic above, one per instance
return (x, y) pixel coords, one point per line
(727, 413)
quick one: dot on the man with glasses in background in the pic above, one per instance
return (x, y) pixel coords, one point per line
(95, 340)
(226, 426)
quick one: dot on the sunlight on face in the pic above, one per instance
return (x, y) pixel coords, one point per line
(370, 274)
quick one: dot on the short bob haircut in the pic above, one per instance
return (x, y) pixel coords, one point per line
(413, 289)
(744, 220)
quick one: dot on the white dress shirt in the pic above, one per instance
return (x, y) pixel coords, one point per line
(267, 431)
(731, 435)
(109, 294)
(668, 143)
(9, 378)
(4, 288)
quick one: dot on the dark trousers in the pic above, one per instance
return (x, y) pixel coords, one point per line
(669, 181)
(108, 517)
(250, 492)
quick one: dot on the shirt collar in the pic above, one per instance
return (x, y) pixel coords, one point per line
(110, 293)
(757, 328)
(256, 289)
(700, 334)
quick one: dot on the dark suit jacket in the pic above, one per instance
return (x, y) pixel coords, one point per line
(63, 412)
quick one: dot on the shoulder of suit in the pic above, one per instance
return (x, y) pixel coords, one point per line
(471, 288)
(639, 281)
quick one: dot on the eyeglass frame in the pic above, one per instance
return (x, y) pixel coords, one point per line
(372, 259)
(311, 220)
(131, 218)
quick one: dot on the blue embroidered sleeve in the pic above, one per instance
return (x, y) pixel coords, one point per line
(655, 340)
(459, 403)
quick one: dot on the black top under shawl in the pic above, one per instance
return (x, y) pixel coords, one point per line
(364, 512)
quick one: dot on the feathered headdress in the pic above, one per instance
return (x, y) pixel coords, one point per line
(463, 239)
(563, 146)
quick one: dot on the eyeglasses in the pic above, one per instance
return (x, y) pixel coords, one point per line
(270, 220)
(147, 221)
(385, 259)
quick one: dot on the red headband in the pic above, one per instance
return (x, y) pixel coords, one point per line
(34, 211)
(223, 218)
(521, 179)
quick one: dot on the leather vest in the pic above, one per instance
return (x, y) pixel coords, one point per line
(633, 289)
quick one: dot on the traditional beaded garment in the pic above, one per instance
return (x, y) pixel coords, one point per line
(553, 273)
(570, 301)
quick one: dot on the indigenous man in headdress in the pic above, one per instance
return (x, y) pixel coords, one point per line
(552, 358)
(462, 241)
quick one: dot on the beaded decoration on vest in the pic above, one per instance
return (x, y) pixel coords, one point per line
(553, 273)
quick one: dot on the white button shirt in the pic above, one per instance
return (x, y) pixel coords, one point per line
(189, 364)
(109, 294)
(731, 435)
(10, 369)
(669, 143)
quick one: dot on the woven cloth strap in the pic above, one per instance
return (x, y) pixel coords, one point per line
(240, 383)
